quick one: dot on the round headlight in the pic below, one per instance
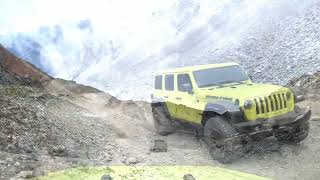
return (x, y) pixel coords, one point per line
(288, 96)
(248, 104)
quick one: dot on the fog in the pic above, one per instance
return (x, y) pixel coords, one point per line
(117, 45)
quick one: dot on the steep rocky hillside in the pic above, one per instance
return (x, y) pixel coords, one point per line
(39, 130)
(279, 44)
(306, 81)
(15, 69)
(307, 85)
(274, 40)
(276, 44)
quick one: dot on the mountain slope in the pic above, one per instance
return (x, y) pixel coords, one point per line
(274, 40)
(274, 43)
(41, 131)
(20, 69)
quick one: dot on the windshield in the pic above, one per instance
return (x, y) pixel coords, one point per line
(218, 76)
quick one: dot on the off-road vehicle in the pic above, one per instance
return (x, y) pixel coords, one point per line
(222, 103)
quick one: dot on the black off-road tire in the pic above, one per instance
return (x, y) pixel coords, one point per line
(222, 141)
(161, 120)
(295, 137)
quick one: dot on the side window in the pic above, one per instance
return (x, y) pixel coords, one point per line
(169, 82)
(184, 83)
(158, 82)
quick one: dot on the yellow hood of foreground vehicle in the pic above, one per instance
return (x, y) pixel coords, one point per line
(244, 91)
(150, 172)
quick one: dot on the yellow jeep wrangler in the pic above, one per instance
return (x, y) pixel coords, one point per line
(221, 103)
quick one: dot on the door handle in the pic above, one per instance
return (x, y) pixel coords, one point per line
(178, 98)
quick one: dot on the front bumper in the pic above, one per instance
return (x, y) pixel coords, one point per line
(285, 122)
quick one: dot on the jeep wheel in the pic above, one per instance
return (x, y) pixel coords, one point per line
(296, 137)
(162, 121)
(221, 139)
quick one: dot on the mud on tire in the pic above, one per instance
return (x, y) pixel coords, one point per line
(221, 139)
(161, 119)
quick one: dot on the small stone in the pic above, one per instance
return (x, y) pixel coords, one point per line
(58, 151)
(40, 173)
(9, 159)
(16, 164)
(132, 160)
(106, 177)
(159, 145)
(288, 67)
(188, 177)
(25, 174)
(315, 118)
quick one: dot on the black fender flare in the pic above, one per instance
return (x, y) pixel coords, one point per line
(160, 102)
(218, 108)
(157, 101)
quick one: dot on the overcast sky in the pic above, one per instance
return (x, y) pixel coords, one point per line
(27, 15)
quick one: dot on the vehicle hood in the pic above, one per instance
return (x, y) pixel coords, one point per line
(243, 91)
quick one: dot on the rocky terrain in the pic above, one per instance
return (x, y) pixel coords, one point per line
(39, 130)
(49, 124)
(57, 124)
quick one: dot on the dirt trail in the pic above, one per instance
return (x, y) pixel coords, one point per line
(79, 125)
(135, 132)
(117, 132)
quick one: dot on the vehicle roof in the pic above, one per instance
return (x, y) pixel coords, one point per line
(195, 68)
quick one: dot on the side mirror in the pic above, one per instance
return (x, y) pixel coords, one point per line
(187, 88)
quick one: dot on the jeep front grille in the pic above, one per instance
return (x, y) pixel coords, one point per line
(274, 102)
